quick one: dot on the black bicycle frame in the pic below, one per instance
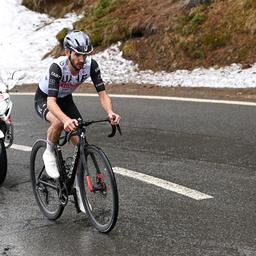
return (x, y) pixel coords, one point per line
(79, 158)
(77, 155)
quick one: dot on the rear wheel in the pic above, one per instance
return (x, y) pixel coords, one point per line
(99, 190)
(45, 188)
(3, 161)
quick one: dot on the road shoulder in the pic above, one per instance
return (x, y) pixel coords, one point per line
(238, 94)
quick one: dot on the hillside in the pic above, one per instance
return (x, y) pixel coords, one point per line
(166, 34)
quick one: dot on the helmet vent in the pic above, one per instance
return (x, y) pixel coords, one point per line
(77, 42)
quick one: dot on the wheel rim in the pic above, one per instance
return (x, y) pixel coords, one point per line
(102, 201)
(45, 187)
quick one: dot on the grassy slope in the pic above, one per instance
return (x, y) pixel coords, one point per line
(163, 35)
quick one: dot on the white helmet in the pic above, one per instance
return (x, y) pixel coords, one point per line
(78, 41)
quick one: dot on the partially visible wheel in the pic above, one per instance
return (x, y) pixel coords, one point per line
(9, 136)
(45, 188)
(99, 190)
(3, 161)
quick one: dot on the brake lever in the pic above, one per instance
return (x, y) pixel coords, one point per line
(113, 132)
(119, 129)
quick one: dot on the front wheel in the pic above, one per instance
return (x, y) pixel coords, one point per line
(3, 161)
(45, 188)
(98, 189)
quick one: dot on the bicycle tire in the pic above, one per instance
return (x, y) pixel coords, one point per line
(107, 190)
(3, 161)
(9, 139)
(44, 192)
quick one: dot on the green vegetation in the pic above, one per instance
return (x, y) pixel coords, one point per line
(216, 40)
(192, 22)
(61, 35)
(103, 28)
(102, 9)
(193, 50)
(128, 48)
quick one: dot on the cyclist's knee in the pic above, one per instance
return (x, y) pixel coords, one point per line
(57, 124)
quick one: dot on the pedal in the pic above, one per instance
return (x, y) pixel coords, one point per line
(63, 196)
(63, 199)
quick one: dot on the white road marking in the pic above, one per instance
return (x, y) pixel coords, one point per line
(21, 147)
(146, 178)
(243, 103)
(162, 183)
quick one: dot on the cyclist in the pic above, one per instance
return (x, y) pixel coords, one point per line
(53, 98)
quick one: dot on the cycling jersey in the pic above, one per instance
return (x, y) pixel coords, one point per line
(59, 82)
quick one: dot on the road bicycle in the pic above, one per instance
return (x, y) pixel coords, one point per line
(87, 176)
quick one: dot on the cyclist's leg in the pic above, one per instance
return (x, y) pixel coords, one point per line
(41, 103)
(55, 129)
(43, 112)
(53, 133)
(70, 109)
(68, 106)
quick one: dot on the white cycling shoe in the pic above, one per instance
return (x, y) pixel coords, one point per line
(50, 164)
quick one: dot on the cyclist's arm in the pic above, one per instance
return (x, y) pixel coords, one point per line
(55, 75)
(100, 88)
(96, 77)
(107, 105)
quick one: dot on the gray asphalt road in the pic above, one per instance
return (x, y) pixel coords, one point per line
(206, 147)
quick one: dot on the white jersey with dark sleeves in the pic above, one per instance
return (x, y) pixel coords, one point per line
(59, 82)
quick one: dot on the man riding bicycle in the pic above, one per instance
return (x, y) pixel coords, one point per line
(53, 98)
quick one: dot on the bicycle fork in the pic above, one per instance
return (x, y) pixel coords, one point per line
(85, 167)
(99, 176)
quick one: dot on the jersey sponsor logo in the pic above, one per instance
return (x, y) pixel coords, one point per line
(68, 85)
(66, 79)
(62, 63)
(82, 78)
(78, 79)
(52, 81)
(55, 75)
(99, 84)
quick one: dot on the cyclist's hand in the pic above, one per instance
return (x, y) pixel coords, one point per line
(70, 125)
(114, 118)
